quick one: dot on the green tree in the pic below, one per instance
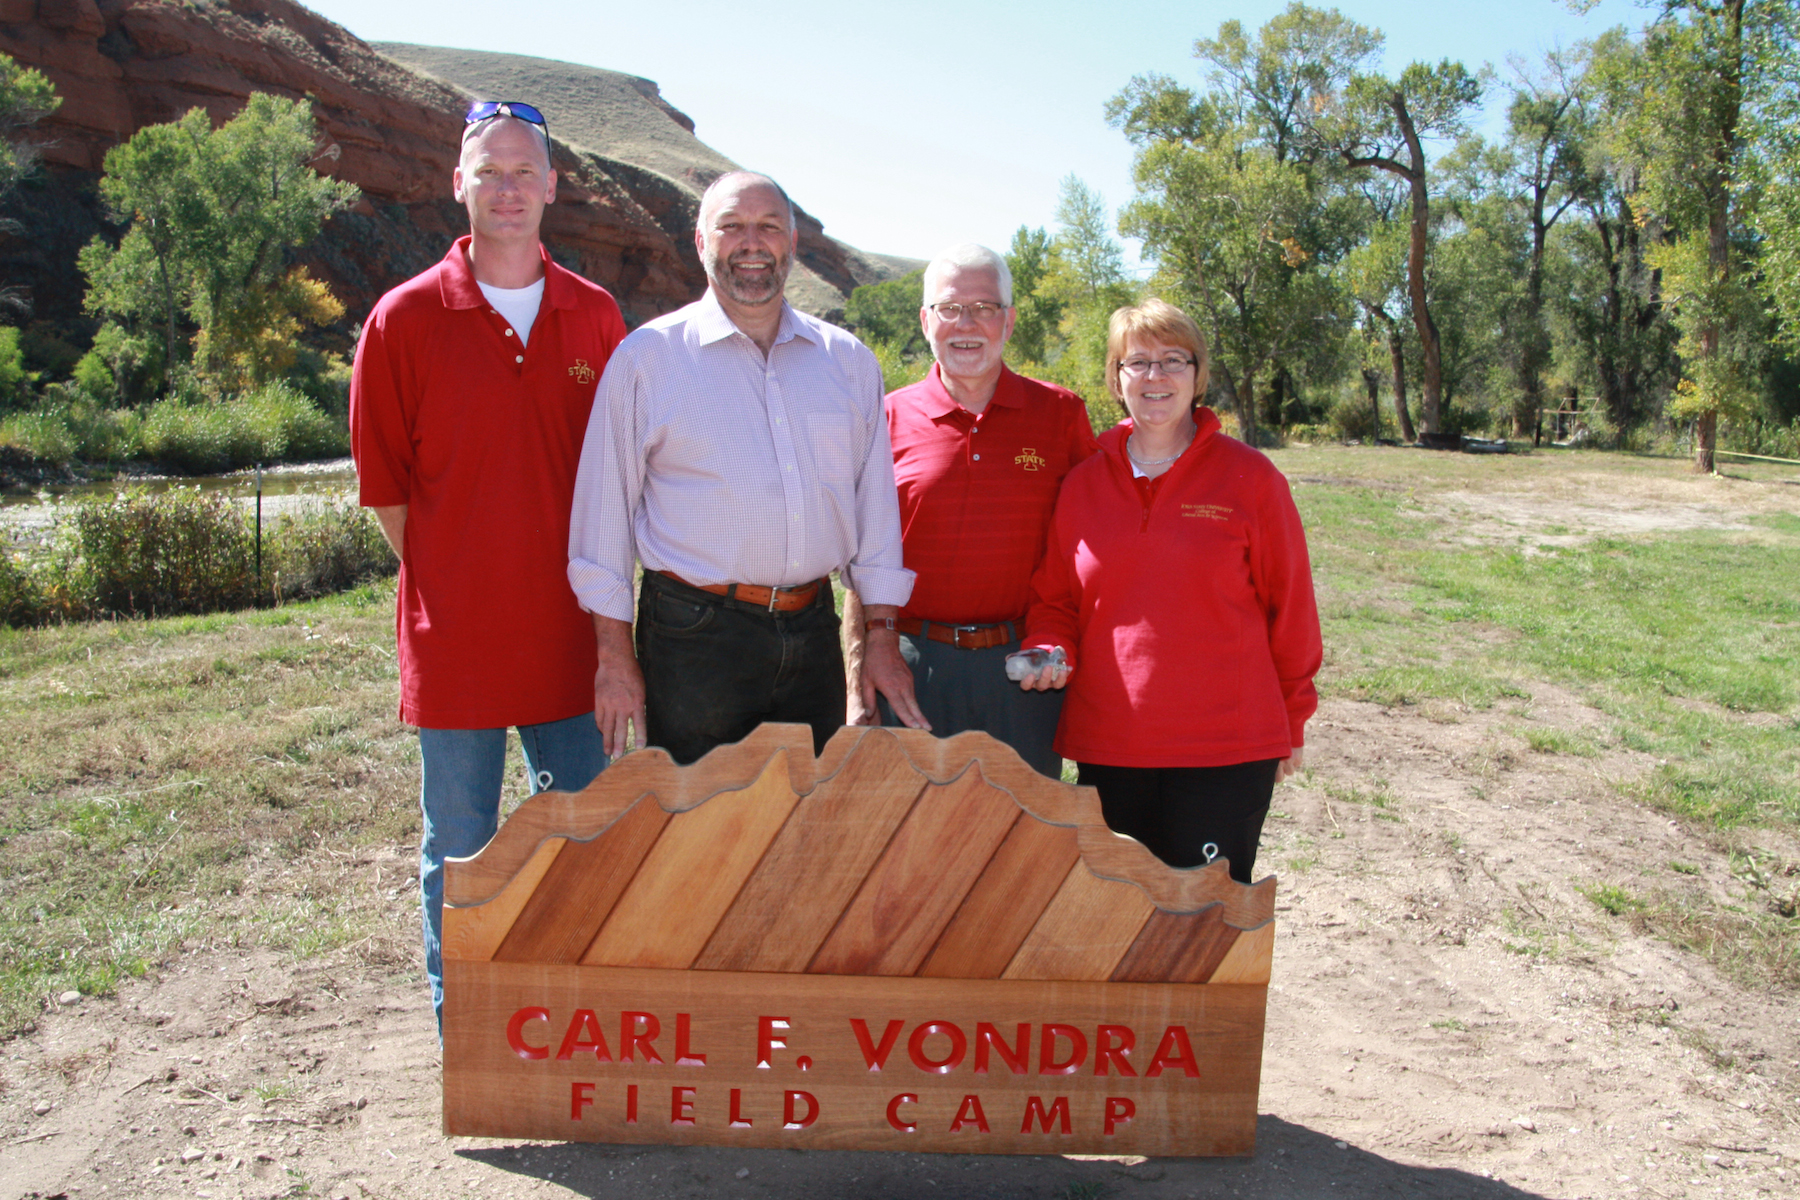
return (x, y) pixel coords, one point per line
(26, 97)
(888, 313)
(1707, 68)
(214, 216)
(1040, 315)
(1084, 276)
(1378, 123)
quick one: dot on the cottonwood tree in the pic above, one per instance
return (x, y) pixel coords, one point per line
(1381, 123)
(1706, 68)
(26, 97)
(214, 214)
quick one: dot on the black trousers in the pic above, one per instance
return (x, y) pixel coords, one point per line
(715, 669)
(1178, 811)
(959, 690)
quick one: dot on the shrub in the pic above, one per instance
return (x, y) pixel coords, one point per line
(1352, 418)
(159, 554)
(70, 424)
(273, 424)
(13, 376)
(318, 551)
(184, 551)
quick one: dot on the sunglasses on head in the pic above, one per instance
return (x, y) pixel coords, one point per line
(484, 110)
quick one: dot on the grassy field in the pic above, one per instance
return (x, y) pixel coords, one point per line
(241, 779)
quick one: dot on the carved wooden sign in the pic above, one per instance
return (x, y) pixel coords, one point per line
(910, 944)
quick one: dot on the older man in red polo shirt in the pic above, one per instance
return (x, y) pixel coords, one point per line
(979, 455)
(469, 401)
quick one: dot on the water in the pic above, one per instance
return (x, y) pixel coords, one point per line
(27, 519)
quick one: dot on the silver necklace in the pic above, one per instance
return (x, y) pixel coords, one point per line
(1151, 462)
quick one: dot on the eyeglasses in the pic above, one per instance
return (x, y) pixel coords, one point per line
(486, 110)
(981, 310)
(1174, 364)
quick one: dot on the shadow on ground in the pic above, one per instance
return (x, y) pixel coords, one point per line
(1291, 1163)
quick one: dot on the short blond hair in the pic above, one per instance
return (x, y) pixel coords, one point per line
(1154, 320)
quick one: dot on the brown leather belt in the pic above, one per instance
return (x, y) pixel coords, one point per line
(963, 637)
(777, 599)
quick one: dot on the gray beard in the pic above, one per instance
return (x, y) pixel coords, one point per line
(723, 278)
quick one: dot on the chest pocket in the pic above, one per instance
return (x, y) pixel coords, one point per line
(829, 435)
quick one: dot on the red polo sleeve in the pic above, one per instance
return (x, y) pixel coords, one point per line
(381, 427)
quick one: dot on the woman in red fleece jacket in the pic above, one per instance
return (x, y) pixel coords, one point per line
(1177, 584)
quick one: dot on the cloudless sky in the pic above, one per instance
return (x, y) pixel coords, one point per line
(908, 127)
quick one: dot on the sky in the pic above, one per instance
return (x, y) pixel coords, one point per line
(907, 128)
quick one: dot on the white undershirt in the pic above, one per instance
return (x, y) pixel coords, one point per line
(518, 305)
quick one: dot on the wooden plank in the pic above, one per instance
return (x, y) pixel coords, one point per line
(1178, 947)
(577, 894)
(815, 865)
(582, 815)
(1177, 889)
(1052, 800)
(1085, 930)
(493, 1088)
(921, 878)
(691, 875)
(1005, 902)
(1251, 958)
(475, 933)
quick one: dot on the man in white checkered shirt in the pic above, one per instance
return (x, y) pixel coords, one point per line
(739, 450)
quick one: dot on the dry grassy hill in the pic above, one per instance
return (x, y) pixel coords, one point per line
(624, 119)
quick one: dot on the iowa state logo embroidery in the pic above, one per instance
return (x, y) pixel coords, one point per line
(581, 371)
(1029, 459)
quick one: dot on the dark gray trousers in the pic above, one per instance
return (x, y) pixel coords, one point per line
(962, 690)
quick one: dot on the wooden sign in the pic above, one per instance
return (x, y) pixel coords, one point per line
(912, 943)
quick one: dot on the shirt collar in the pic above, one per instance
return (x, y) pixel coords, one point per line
(714, 325)
(459, 289)
(937, 401)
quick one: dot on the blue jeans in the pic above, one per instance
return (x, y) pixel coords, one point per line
(461, 800)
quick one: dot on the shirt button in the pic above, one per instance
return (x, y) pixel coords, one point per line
(519, 358)
(978, 458)
(509, 333)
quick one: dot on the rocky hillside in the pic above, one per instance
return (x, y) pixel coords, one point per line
(625, 210)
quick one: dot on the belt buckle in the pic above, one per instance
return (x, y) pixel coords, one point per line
(958, 630)
(774, 595)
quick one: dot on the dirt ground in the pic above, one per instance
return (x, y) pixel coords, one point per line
(1450, 1016)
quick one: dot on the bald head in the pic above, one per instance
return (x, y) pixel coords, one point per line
(508, 132)
(729, 187)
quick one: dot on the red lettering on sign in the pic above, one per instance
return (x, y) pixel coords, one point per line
(915, 1046)
(1174, 1051)
(766, 1041)
(894, 1112)
(515, 1033)
(584, 1021)
(631, 1038)
(631, 1104)
(970, 1114)
(683, 1056)
(681, 1105)
(1034, 1107)
(580, 1096)
(738, 1119)
(788, 1115)
(1118, 1110)
(1111, 1044)
(987, 1037)
(1047, 1064)
(876, 1056)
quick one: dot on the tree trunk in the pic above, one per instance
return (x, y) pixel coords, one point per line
(1718, 224)
(1246, 409)
(1397, 353)
(1431, 410)
(1372, 384)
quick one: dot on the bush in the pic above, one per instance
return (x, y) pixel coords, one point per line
(322, 550)
(68, 425)
(13, 376)
(1352, 418)
(158, 554)
(273, 424)
(184, 551)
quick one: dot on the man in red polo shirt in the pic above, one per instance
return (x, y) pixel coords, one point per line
(979, 455)
(468, 406)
